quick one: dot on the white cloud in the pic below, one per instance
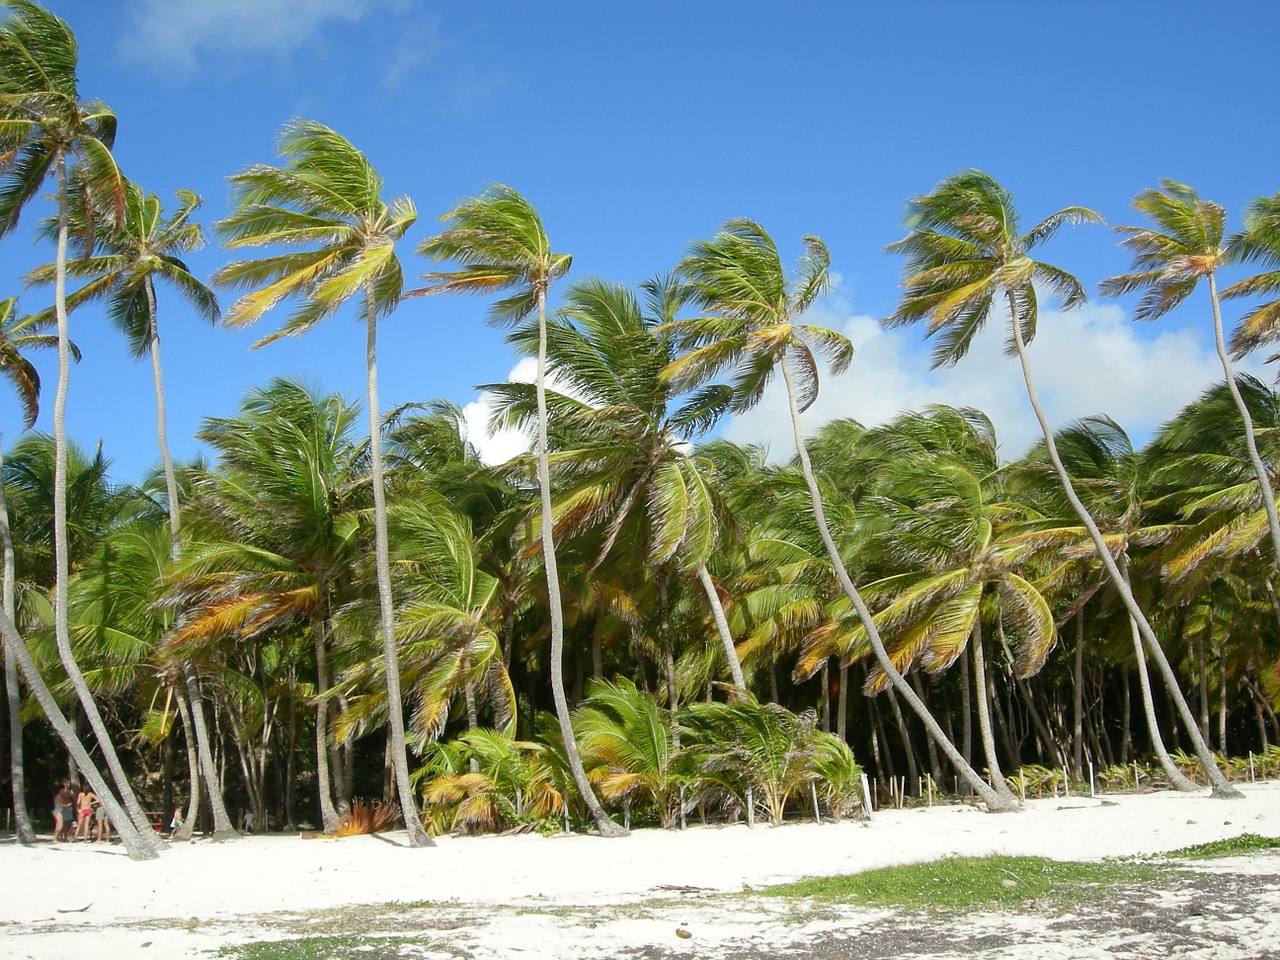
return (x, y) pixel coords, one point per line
(498, 446)
(178, 33)
(1086, 361)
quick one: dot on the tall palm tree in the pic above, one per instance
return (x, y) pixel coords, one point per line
(137, 250)
(1170, 258)
(328, 200)
(16, 335)
(45, 128)
(500, 243)
(755, 328)
(965, 256)
(1259, 243)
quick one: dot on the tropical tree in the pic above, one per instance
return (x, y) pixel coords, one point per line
(45, 129)
(134, 252)
(16, 335)
(1170, 258)
(754, 327)
(965, 255)
(1259, 243)
(500, 243)
(328, 200)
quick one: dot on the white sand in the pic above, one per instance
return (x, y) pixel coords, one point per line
(201, 894)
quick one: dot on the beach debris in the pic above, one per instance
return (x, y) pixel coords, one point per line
(75, 909)
(683, 934)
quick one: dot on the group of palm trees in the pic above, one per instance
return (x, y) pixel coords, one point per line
(694, 609)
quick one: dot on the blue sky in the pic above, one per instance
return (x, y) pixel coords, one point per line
(637, 128)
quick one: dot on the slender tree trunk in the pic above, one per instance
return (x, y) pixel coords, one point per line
(966, 713)
(1202, 666)
(138, 846)
(1176, 776)
(1077, 698)
(193, 771)
(722, 627)
(606, 826)
(1221, 788)
(21, 818)
(324, 784)
(842, 707)
(904, 734)
(222, 826)
(980, 682)
(61, 562)
(1048, 749)
(930, 748)
(995, 802)
(1250, 439)
(1222, 702)
(395, 707)
(1126, 734)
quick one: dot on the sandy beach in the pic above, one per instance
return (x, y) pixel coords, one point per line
(537, 897)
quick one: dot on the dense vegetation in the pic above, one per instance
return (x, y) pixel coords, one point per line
(633, 623)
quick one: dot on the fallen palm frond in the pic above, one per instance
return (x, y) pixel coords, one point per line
(368, 816)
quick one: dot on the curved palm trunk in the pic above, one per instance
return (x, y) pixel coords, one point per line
(192, 817)
(984, 713)
(395, 706)
(1221, 788)
(22, 820)
(722, 627)
(995, 802)
(222, 826)
(61, 565)
(1259, 469)
(139, 846)
(606, 826)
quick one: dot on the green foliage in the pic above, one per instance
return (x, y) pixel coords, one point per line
(969, 883)
(1231, 847)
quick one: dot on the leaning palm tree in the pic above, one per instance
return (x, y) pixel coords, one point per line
(16, 335)
(328, 200)
(1170, 258)
(47, 130)
(754, 328)
(142, 247)
(499, 241)
(965, 256)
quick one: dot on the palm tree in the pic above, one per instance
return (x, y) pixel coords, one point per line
(141, 248)
(276, 535)
(964, 253)
(15, 336)
(1170, 259)
(1259, 242)
(755, 328)
(44, 129)
(329, 199)
(626, 471)
(499, 240)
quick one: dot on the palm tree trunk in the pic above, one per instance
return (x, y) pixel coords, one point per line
(188, 827)
(136, 844)
(842, 707)
(1222, 703)
(606, 826)
(1250, 439)
(324, 786)
(395, 706)
(722, 627)
(1077, 697)
(984, 712)
(61, 562)
(1221, 788)
(17, 773)
(994, 801)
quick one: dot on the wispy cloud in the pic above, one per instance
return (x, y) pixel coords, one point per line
(1087, 361)
(180, 34)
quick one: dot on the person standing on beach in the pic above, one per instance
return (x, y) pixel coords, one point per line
(63, 813)
(86, 802)
(103, 834)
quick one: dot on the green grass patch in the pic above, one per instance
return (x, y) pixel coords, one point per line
(965, 883)
(324, 948)
(1231, 847)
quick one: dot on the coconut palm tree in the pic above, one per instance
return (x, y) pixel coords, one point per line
(626, 470)
(16, 335)
(500, 243)
(45, 129)
(1170, 258)
(275, 535)
(328, 201)
(965, 259)
(754, 328)
(1259, 243)
(134, 252)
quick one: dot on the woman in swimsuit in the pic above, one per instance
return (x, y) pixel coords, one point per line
(63, 814)
(85, 802)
